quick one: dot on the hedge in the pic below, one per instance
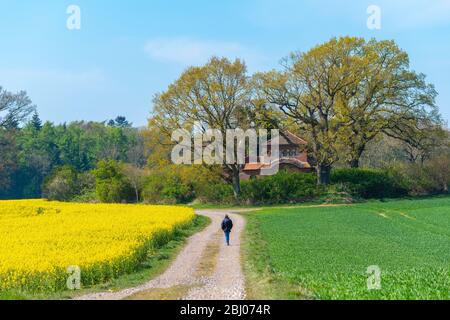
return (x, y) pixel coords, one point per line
(368, 183)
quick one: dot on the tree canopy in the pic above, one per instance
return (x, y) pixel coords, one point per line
(214, 96)
(344, 93)
(15, 108)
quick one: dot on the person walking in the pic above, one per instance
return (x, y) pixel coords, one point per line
(227, 225)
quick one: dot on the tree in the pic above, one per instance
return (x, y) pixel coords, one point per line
(14, 108)
(346, 92)
(381, 152)
(135, 176)
(120, 122)
(36, 159)
(308, 91)
(111, 183)
(214, 96)
(36, 122)
(385, 96)
(8, 160)
(62, 185)
(65, 183)
(421, 138)
(438, 170)
(31, 153)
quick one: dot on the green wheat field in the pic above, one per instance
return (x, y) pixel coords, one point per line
(324, 252)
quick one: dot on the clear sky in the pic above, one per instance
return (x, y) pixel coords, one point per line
(126, 51)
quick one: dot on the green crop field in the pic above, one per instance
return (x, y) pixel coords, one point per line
(324, 252)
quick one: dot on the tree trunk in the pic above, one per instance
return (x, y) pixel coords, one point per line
(356, 156)
(354, 163)
(236, 184)
(323, 174)
(136, 190)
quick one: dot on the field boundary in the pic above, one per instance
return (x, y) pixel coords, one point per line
(261, 281)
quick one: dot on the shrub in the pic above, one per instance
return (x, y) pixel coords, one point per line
(180, 184)
(284, 187)
(411, 177)
(87, 196)
(61, 185)
(181, 193)
(218, 193)
(337, 194)
(438, 172)
(85, 183)
(369, 183)
(167, 189)
(112, 186)
(66, 183)
(432, 177)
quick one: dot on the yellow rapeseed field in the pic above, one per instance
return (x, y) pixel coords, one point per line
(40, 239)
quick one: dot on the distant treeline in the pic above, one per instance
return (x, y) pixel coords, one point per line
(31, 153)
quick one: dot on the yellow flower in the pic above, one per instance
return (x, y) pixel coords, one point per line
(39, 240)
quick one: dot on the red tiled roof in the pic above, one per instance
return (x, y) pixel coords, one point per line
(288, 138)
(253, 166)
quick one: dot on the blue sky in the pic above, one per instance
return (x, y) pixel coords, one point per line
(126, 51)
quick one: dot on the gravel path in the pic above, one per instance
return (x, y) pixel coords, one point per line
(226, 282)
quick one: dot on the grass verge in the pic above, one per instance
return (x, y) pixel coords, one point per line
(209, 259)
(261, 280)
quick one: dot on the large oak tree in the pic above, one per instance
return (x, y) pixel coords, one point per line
(344, 93)
(214, 96)
(386, 97)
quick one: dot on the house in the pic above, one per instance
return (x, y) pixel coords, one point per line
(292, 156)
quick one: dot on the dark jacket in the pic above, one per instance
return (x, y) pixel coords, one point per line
(227, 225)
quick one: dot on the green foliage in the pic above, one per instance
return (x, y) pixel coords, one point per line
(339, 193)
(368, 183)
(216, 95)
(62, 185)
(334, 95)
(30, 155)
(183, 185)
(86, 196)
(324, 251)
(217, 193)
(112, 186)
(182, 193)
(168, 190)
(120, 122)
(176, 184)
(66, 183)
(8, 161)
(284, 187)
(432, 177)
(36, 122)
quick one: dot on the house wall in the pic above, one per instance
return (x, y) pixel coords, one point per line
(286, 152)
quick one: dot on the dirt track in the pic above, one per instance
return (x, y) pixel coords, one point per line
(205, 269)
